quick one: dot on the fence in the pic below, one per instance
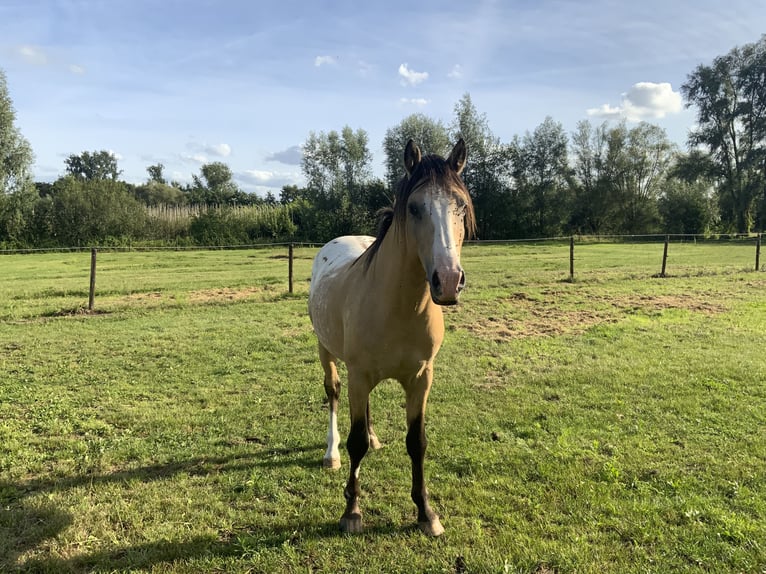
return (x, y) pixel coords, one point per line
(576, 246)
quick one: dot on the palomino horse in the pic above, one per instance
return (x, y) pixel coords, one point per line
(375, 304)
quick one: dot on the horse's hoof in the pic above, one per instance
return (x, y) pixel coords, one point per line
(351, 523)
(375, 444)
(433, 528)
(331, 463)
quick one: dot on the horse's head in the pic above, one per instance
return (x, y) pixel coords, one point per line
(439, 214)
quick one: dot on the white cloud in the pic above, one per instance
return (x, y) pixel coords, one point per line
(259, 176)
(219, 150)
(194, 158)
(176, 175)
(290, 156)
(265, 179)
(456, 72)
(32, 55)
(411, 77)
(324, 60)
(420, 102)
(38, 56)
(364, 68)
(115, 155)
(645, 100)
(201, 151)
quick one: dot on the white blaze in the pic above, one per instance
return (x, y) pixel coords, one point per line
(445, 251)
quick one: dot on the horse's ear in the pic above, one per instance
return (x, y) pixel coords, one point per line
(456, 159)
(411, 157)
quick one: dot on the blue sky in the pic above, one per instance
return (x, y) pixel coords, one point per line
(243, 82)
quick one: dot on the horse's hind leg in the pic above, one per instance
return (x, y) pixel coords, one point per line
(359, 387)
(375, 443)
(332, 388)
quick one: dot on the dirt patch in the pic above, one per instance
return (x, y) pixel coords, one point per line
(201, 296)
(76, 312)
(557, 313)
(144, 296)
(225, 294)
(662, 302)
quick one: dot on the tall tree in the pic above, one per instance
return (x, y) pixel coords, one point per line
(17, 192)
(214, 185)
(473, 127)
(488, 170)
(16, 156)
(97, 165)
(686, 207)
(729, 96)
(591, 208)
(340, 190)
(156, 173)
(638, 162)
(541, 170)
(430, 135)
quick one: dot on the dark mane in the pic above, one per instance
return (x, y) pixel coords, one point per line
(436, 170)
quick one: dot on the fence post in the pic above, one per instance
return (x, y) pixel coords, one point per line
(290, 269)
(758, 252)
(571, 258)
(92, 293)
(665, 256)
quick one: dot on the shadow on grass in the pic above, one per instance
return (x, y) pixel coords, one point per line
(26, 523)
(200, 466)
(24, 527)
(232, 545)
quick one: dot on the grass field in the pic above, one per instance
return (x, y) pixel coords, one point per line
(616, 423)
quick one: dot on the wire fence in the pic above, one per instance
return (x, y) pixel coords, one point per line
(568, 257)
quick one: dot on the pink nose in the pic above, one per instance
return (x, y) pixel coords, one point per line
(446, 285)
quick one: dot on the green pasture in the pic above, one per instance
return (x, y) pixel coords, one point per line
(614, 423)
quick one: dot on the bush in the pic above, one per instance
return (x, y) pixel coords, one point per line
(87, 212)
(686, 208)
(242, 225)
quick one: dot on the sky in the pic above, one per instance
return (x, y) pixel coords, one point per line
(185, 83)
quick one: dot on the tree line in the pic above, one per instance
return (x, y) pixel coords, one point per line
(607, 178)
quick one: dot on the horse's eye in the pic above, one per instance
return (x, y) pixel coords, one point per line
(414, 210)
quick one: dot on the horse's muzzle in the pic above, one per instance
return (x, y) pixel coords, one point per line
(447, 285)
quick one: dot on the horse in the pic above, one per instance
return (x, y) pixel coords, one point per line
(375, 304)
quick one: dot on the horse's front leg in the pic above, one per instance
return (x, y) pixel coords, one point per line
(359, 388)
(417, 395)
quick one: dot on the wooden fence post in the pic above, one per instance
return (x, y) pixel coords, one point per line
(571, 258)
(665, 256)
(758, 252)
(290, 269)
(92, 294)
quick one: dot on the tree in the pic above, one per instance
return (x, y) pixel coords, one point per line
(591, 209)
(156, 173)
(291, 193)
(541, 172)
(637, 165)
(155, 193)
(84, 211)
(97, 165)
(430, 135)
(487, 174)
(339, 184)
(16, 155)
(685, 207)
(215, 186)
(17, 191)
(730, 98)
